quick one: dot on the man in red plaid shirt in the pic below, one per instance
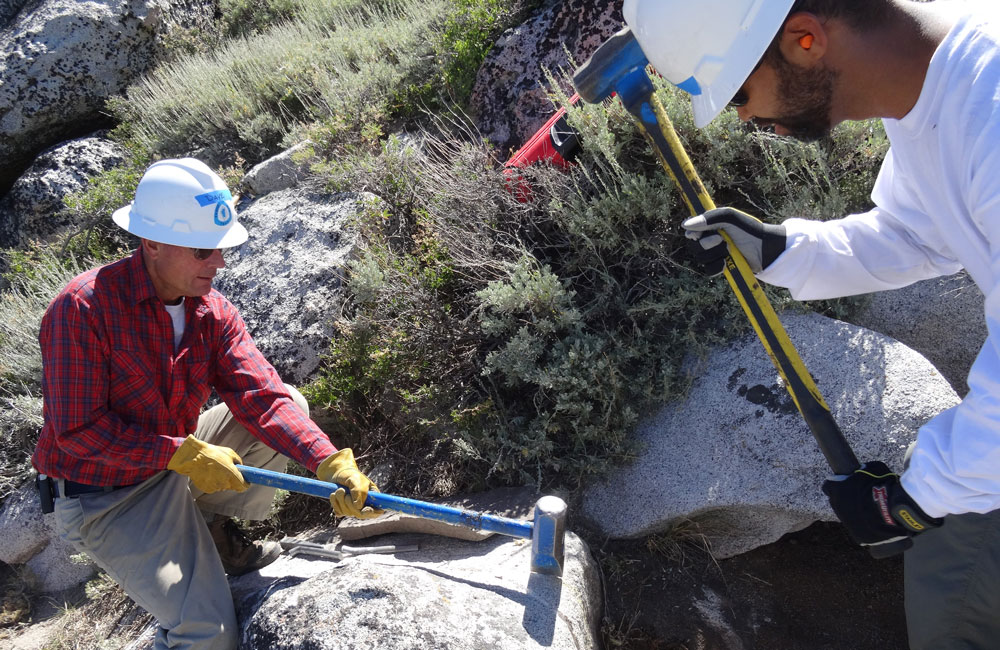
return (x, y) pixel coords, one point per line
(145, 483)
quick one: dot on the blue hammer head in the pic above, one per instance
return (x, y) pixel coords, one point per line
(617, 66)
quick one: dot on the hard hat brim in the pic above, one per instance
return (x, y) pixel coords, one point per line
(235, 235)
(709, 105)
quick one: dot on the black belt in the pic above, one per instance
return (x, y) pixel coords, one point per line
(74, 489)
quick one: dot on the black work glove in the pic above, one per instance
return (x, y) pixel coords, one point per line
(761, 243)
(875, 508)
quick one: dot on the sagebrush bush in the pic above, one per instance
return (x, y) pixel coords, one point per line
(242, 18)
(341, 59)
(349, 63)
(521, 341)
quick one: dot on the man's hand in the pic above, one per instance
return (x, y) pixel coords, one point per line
(340, 468)
(761, 243)
(875, 508)
(211, 468)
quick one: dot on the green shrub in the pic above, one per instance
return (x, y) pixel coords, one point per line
(541, 369)
(340, 61)
(249, 17)
(516, 342)
(469, 31)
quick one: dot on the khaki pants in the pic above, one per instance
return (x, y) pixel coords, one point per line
(152, 539)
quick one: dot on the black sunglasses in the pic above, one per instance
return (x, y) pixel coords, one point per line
(740, 99)
(202, 254)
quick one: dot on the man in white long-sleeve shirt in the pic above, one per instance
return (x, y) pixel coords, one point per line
(932, 72)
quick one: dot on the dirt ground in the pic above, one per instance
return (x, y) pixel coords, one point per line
(811, 590)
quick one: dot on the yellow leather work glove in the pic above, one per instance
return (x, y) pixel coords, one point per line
(341, 469)
(211, 468)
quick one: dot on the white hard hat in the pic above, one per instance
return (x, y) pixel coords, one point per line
(184, 203)
(706, 47)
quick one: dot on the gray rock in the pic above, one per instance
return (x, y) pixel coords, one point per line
(62, 59)
(60, 567)
(735, 455)
(33, 208)
(28, 539)
(941, 319)
(287, 280)
(277, 173)
(510, 96)
(23, 529)
(9, 9)
(448, 594)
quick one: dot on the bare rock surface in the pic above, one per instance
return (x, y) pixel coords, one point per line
(63, 59)
(28, 540)
(941, 318)
(287, 280)
(736, 456)
(33, 208)
(448, 594)
(510, 97)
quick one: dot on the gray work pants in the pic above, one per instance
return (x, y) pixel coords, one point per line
(152, 539)
(951, 583)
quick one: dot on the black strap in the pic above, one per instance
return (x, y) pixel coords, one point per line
(74, 489)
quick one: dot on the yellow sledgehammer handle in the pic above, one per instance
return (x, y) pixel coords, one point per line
(619, 67)
(659, 130)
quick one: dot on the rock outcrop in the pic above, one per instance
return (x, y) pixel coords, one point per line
(510, 97)
(62, 61)
(9, 9)
(28, 539)
(941, 319)
(448, 594)
(33, 208)
(277, 173)
(735, 455)
(287, 280)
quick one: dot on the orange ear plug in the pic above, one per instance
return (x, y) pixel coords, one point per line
(806, 41)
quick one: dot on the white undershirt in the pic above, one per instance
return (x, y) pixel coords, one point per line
(177, 316)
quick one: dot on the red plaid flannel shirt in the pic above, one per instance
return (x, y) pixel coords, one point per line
(118, 401)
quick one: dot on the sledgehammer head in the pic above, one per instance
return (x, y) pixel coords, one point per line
(610, 68)
(547, 535)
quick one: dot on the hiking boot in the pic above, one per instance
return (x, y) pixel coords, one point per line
(238, 552)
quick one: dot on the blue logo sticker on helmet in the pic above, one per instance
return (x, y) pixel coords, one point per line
(223, 213)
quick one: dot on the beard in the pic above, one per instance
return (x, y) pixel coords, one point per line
(807, 97)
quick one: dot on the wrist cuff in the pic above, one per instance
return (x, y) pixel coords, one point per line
(909, 515)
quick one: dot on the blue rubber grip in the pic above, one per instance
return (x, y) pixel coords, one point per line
(457, 516)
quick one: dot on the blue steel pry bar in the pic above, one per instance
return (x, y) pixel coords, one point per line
(547, 532)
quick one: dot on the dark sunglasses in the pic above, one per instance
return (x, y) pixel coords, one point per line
(740, 99)
(202, 254)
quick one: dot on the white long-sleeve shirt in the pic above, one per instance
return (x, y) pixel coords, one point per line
(937, 211)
